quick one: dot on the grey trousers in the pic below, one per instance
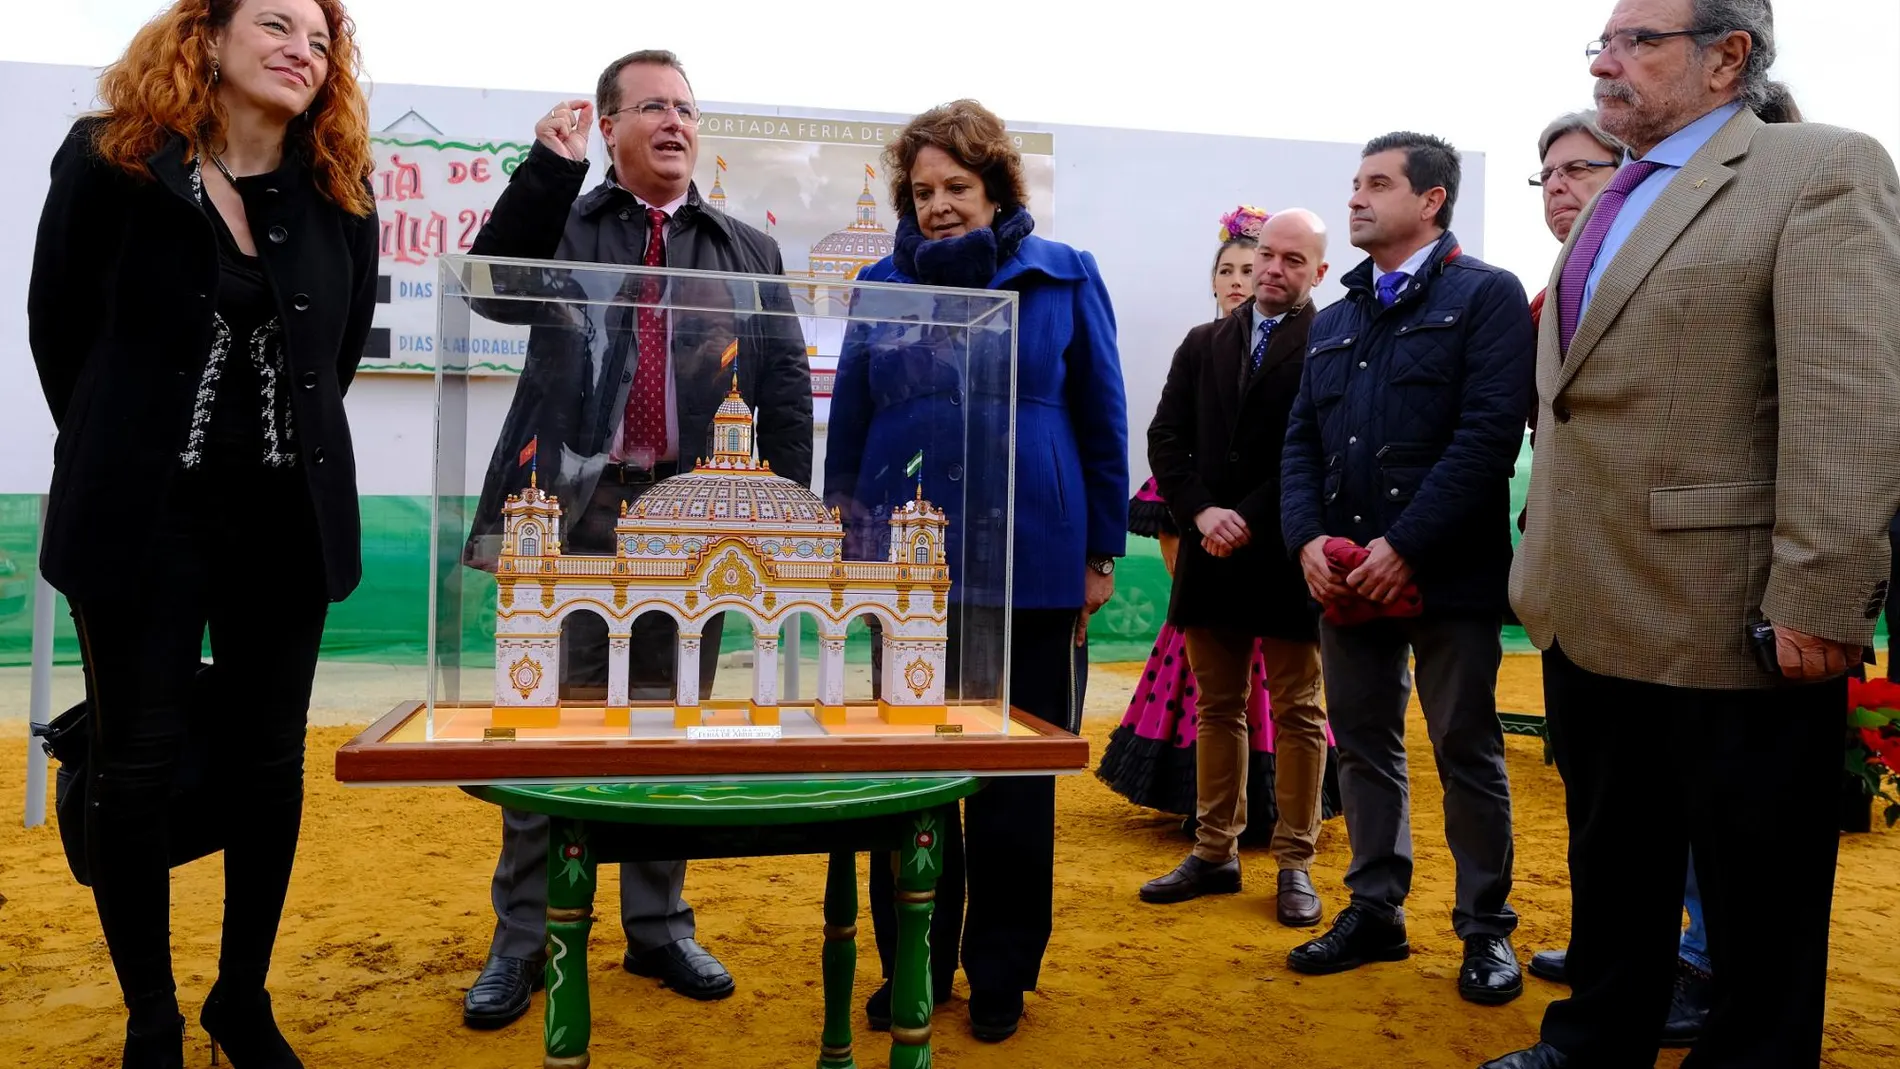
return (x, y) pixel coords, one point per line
(651, 909)
(1367, 688)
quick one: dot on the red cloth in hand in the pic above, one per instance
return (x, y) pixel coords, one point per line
(1354, 609)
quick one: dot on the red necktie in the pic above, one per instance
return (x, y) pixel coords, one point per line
(645, 424)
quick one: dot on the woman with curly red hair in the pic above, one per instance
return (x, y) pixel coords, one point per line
(202, 286)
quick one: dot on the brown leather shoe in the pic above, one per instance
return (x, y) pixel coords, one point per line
(1192, 879)
(1298, 905)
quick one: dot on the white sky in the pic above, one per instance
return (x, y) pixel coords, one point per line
(1488, 74)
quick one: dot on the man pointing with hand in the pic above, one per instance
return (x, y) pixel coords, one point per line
(612, 399)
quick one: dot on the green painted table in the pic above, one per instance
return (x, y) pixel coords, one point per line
(604, 823)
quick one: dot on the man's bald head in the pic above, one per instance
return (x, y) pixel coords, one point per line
(1289, 261)
(1293, 222)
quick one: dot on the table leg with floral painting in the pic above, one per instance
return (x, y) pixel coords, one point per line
(568, 1015)
(919, 863)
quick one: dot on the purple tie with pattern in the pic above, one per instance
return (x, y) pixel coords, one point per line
(1584, 254)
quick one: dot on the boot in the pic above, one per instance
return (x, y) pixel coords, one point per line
(243, 1027)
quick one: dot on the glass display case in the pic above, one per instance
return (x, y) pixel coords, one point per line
(700, 548)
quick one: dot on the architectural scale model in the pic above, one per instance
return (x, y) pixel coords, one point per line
(729, 536)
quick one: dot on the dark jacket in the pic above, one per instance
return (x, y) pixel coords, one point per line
(572, 393)
(900, 389)
(119, 317)
(1409, 421)
(1216, 440)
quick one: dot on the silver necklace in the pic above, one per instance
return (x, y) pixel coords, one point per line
(218, 162)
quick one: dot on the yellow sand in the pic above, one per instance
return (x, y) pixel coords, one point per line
(389, 920)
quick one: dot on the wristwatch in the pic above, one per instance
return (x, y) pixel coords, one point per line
(1102, 565)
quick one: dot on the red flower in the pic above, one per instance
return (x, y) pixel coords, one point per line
(572, 850)
(1873, 694)
(1882, 748)
(924, 839)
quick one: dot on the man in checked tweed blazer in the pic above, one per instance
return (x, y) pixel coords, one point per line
(1715, 449)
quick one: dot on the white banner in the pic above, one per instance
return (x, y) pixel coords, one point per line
(434, 195)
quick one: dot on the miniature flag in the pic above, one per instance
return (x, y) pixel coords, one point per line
(770, 219)
(868, 172)
(916, 465)
(732, 353)
(527, 453)
(721, 161)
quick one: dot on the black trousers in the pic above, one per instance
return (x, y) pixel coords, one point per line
(237, 555)
(1005, 854)
(1750, 779)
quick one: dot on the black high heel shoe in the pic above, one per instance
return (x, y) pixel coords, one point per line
(243, 1028)
(159, 1048)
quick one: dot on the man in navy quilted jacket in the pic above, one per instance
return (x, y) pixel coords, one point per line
(1401, 443)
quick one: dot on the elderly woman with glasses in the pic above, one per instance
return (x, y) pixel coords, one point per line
(1579, 160)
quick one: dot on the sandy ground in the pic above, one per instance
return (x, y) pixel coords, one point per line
(388, 921)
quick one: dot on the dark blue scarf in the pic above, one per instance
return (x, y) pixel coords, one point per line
(968, 260)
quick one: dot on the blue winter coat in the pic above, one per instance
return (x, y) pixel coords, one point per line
(1409, 421)
(907, 387)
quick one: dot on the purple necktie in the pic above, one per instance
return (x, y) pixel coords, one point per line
(1583, 255)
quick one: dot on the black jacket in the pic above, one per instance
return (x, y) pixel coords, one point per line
(1409, 422)
(1216, 441)
(119, 317)
(572, 392)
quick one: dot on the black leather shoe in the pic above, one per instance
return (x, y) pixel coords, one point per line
(500, 994)
(877, 1008)
(1490, 976)
(1357, 938)
(1542, 1056)
(686, 967)
(1298, 902)
(242, 1026)
(1550, 965)
(1192, 879)
(1688, 1006)
(994, 1015)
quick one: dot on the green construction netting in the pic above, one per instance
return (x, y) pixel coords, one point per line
(386, 620)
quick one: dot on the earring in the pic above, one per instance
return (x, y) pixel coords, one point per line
(214, 70)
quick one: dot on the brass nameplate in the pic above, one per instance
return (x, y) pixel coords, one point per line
(498, 733)
(949, 729)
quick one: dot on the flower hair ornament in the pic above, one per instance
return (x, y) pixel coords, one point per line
(1243, 222)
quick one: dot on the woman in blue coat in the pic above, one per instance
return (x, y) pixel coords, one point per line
(905, 389)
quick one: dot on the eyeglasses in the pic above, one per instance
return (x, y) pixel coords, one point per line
(1572, 171)
(1623, 42)
(656, 111)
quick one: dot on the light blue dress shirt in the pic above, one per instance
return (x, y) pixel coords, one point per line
(1672, 154)
(1254, 338)
(1412, 263)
